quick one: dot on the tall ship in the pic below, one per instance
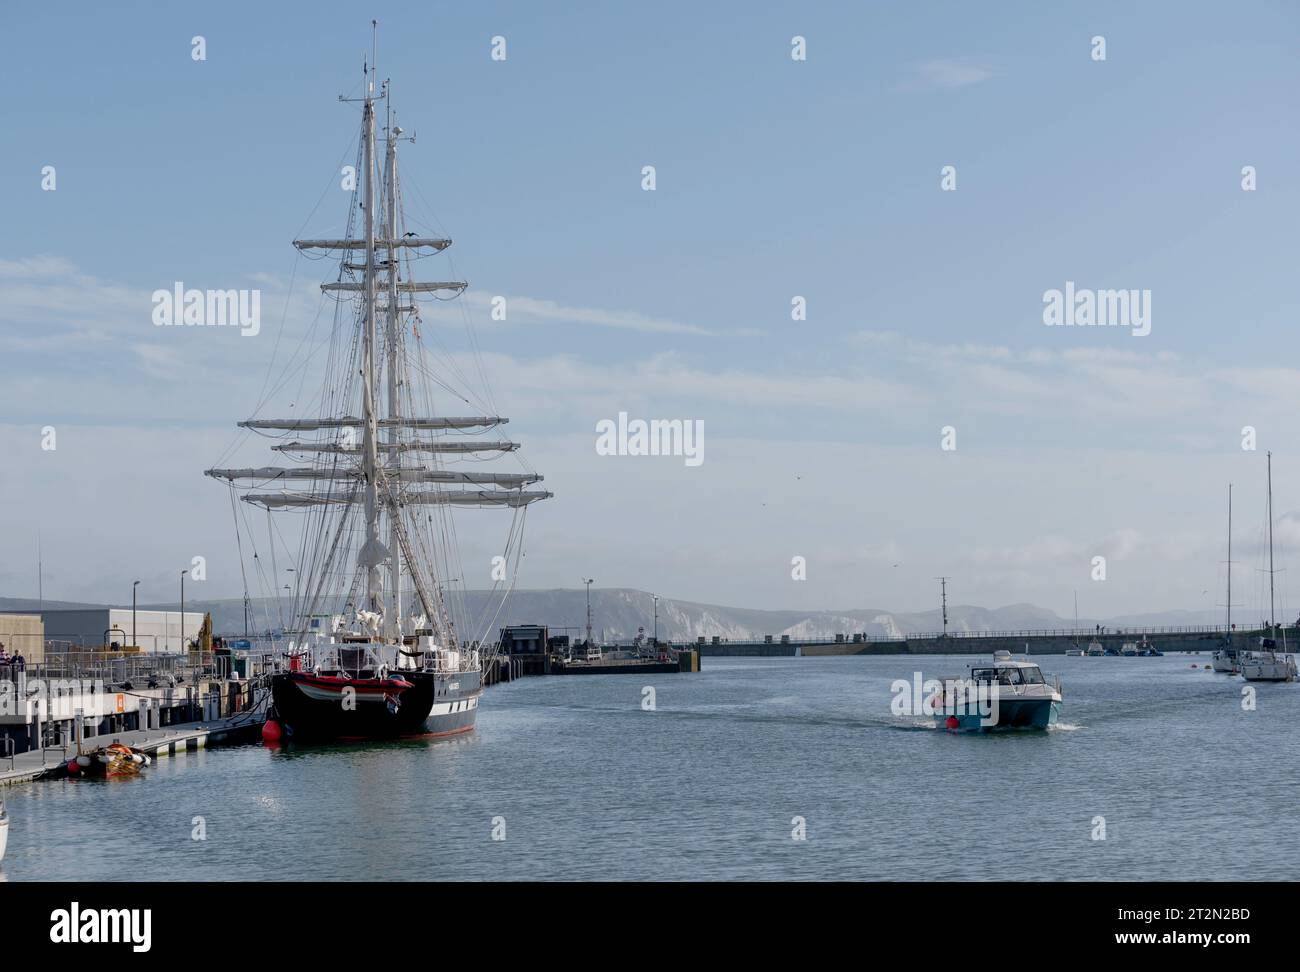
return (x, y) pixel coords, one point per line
(377, 642)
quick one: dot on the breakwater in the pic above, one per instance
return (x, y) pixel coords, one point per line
(1018, 643)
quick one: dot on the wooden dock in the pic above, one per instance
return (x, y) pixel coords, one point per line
(158, 743)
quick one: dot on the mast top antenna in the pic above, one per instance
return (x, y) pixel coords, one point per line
(374, 52)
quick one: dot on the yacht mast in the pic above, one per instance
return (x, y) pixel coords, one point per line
(1272, 625)
(1229, 565)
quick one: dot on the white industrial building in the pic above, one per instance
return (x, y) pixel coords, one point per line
(153, 632)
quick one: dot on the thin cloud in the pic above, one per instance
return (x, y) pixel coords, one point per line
(537, 309)
(940, 73)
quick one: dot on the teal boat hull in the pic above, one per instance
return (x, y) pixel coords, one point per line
(1012, 714)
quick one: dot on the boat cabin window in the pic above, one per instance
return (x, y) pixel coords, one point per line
(1008, 676)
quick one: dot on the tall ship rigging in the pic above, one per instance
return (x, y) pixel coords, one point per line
(377, 646)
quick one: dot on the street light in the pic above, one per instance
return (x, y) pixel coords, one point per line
(588, 582)
(183, 573)
(134, 643)
(656, 597)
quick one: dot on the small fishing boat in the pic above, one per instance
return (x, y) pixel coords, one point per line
(1074, 652)
(1005, 694)
(1129, 649)
(108, 762)
(4, 829)
(1095, 649)
(1148, 650)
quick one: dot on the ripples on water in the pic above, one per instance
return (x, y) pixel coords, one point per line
(591, 786)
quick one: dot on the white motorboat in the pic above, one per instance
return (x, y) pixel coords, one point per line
(4, 829)
(1013, 695)
(1095, 649)
(1129, 649)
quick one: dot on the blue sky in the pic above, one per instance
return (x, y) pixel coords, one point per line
(775, 178)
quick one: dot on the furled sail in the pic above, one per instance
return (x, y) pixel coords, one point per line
(264, 474)
(350, 422)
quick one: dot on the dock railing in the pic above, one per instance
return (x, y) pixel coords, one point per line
(1081, 634)
(115, 667)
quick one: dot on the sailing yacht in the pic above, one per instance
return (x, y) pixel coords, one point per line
(376, 645)
(1225, 659)
(1267, 664)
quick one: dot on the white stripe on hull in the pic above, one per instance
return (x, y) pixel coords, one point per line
(447, 708)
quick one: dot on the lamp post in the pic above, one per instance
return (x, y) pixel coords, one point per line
(183, 573)
(134, 643)
(588, 582)
(656, 597)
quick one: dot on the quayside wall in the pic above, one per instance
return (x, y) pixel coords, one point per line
(1054, 643)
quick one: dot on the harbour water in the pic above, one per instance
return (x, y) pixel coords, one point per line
(587, 784)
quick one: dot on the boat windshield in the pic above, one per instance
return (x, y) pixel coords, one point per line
(1031, 675)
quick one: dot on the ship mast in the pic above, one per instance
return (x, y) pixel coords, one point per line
(394, 625)
(373, 554)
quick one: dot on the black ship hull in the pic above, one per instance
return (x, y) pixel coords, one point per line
(435, 704)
